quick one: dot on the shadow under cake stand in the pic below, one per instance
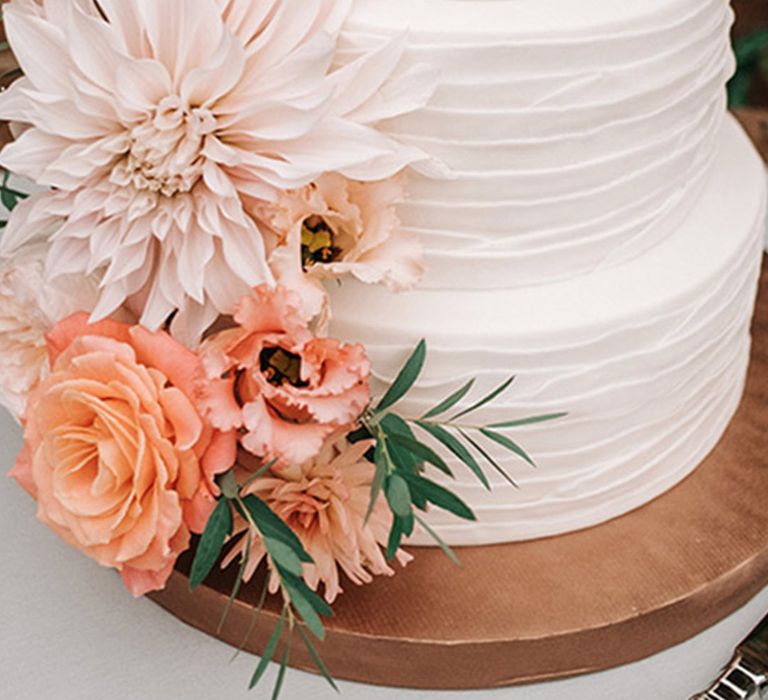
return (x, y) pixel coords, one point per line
(533, 611)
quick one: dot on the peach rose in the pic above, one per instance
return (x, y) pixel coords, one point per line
(116, 453)
(273, 379)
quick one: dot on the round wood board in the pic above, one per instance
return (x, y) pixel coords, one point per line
(533, 611)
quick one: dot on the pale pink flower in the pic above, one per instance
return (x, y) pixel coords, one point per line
(325, 502)
(158, 124)
(337, 227)
(286, 389)
(116, 454)
(30, 306)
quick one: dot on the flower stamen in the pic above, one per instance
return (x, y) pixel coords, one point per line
(317, 243)
(280, 366)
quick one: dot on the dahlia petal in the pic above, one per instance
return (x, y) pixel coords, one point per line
(206, 85)
(300, 73)
(125, 18)
(14, 101)
(220, 152)
(400, 95)
(224, 289)
(122, 267)
(98, 49)
(40, 49)
(192, 320)
(243, 249)
(30, 154)
(359, 81)
(332, 16)
(80, 161)
(111, 299)
(22, 228)
(246, 19)
(195, 254)
(140, 85)
(188, 44)
(291, 24)
(66, 256)
(276, 121)
(218, 182)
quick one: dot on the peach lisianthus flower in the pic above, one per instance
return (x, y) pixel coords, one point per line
(325, 501)
(30, 306)
(286, 389)
(156, 123)
(336, 227)
(115, 452)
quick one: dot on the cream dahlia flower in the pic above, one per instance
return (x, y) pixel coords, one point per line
(30, 306)
(324, 502)
(337, 227)
(159, 124)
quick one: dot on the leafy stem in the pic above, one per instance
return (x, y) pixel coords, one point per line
(301, 605)
(400, 456)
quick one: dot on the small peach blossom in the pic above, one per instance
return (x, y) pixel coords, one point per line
(273, 379)
(325, 502)
(337, 227)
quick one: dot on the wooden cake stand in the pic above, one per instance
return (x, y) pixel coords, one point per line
(573, 604)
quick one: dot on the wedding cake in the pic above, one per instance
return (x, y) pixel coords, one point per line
(600, 238)
(296, 285)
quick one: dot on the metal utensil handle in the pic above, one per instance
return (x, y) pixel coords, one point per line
(746, 678)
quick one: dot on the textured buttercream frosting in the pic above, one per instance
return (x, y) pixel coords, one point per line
(578, 133)
(600, 239)
(648, 357)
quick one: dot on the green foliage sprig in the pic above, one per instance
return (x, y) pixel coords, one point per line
(302, 607)
(752, 59)
(8, 196)
(400, 456)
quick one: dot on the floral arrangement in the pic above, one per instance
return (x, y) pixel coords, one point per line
(202, 169)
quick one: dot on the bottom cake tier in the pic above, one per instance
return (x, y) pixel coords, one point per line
(648, 358)
(563, 606)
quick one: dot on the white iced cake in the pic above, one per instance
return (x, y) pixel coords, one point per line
(600, 238)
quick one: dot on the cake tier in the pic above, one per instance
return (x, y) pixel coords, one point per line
(579, 131)
(647, 357)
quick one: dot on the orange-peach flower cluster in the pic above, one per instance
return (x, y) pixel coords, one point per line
(125, 435)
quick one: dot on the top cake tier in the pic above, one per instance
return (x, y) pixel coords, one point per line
(578, 132)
